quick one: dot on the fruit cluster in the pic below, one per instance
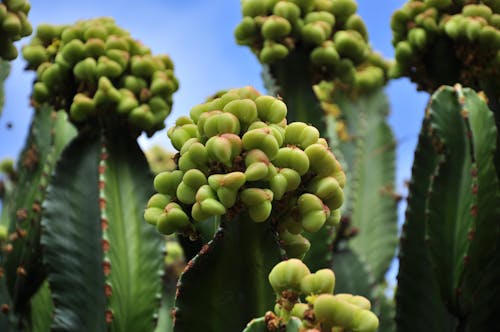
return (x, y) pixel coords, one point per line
(466, 35)
(13, 26)
(331, 33)
(321, 311)
(238, 154)
(94, 68)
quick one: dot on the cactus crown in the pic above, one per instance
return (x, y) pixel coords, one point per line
(331, 33)
(13, 26)
(467, 35)
(237, 153)
(321, 310)
(94, 68)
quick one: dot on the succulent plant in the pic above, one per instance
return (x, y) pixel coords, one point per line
(322, 310)
(237, 153)
(94, 69)
(14, 25)
(329, 32)
(466, 33)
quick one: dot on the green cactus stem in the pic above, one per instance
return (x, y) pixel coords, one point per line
(24, 272)
(456, 151)
(14, 25)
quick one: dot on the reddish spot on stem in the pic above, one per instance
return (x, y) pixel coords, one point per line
(5, 308)
(466, 260)
(102, 169)
(21, 233)
(105, 245)
(471, 234)
(473, 172)
(475, 189)
(22, 214)
(8, 248)
(101, 185)
(106, 267)
(102, 203)
(21, 271)
(104, 156)
(36, 207)
(473, 211)
(104, 224)
(108, 290)
(109, 316)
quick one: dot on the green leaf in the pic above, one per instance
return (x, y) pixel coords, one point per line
(415, 278)
(50, 133)
(135, 247)
(41, 310)
(370, 201)
(259, 325)
(227, 280)
(4, 72)
(72, 239)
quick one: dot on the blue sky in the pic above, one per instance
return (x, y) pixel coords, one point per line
(198, 35)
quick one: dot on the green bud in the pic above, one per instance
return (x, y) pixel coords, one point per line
(119, 56)
(272, 52)
(489, 37)
(152, 214)
(106, 92)
(323, 281)
(174, 219)
(117, 43)
(257, 171)
(244, 109)
(299, 310)
(359, 301)
(278, 185)
(35, 55)
(439, 4)
(142, 66)
(315, 33)
(12, 24)
(109, 68)
(246, 31)
(74, 51)
(342, 9)
(167, 182)
(95, 31)
(253, 8)
(275, 27)
(292, 157)
(477, 11)
(181, 133)
(71, 33)
(350, 44)
(404, 53)
(221, 123)
(321, 160)
(86, 70)
(198, 214)
(270, 109)
(295, 245)
(364, 321)
(94, 47)
(334, 218)
(142, 117)
(127, 101)
(355, 22)
(252, 197)
(288, 10)
(52, 76)
(224, 148)
(417, 38)
(328, 188)
(82, 107)
(40, 92)
(287, 275)
(325, 55)
(313, 212)
(262, 139)
(173, 253)
(134, 84)
(301, 134)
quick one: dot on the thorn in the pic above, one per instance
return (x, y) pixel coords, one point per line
(21, 233)
(473, 211)
(102, 203)
(466, 260)
(102, 184)
(5, 309)
(471, 234)
(102, 169)
(8, 248)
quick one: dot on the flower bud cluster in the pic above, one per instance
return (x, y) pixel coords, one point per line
(237, 154)
(321, 310)
(463, 38)
(330, 31)
(13, 26)
(94, 68)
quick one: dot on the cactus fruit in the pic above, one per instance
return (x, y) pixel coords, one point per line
(94, 67)
(465, 33)
(328, 31)
(238, 153)
(322, 310)
(13, 26)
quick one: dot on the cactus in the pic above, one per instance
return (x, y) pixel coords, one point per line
(13, 26)
(458, 130)
(322, 310)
